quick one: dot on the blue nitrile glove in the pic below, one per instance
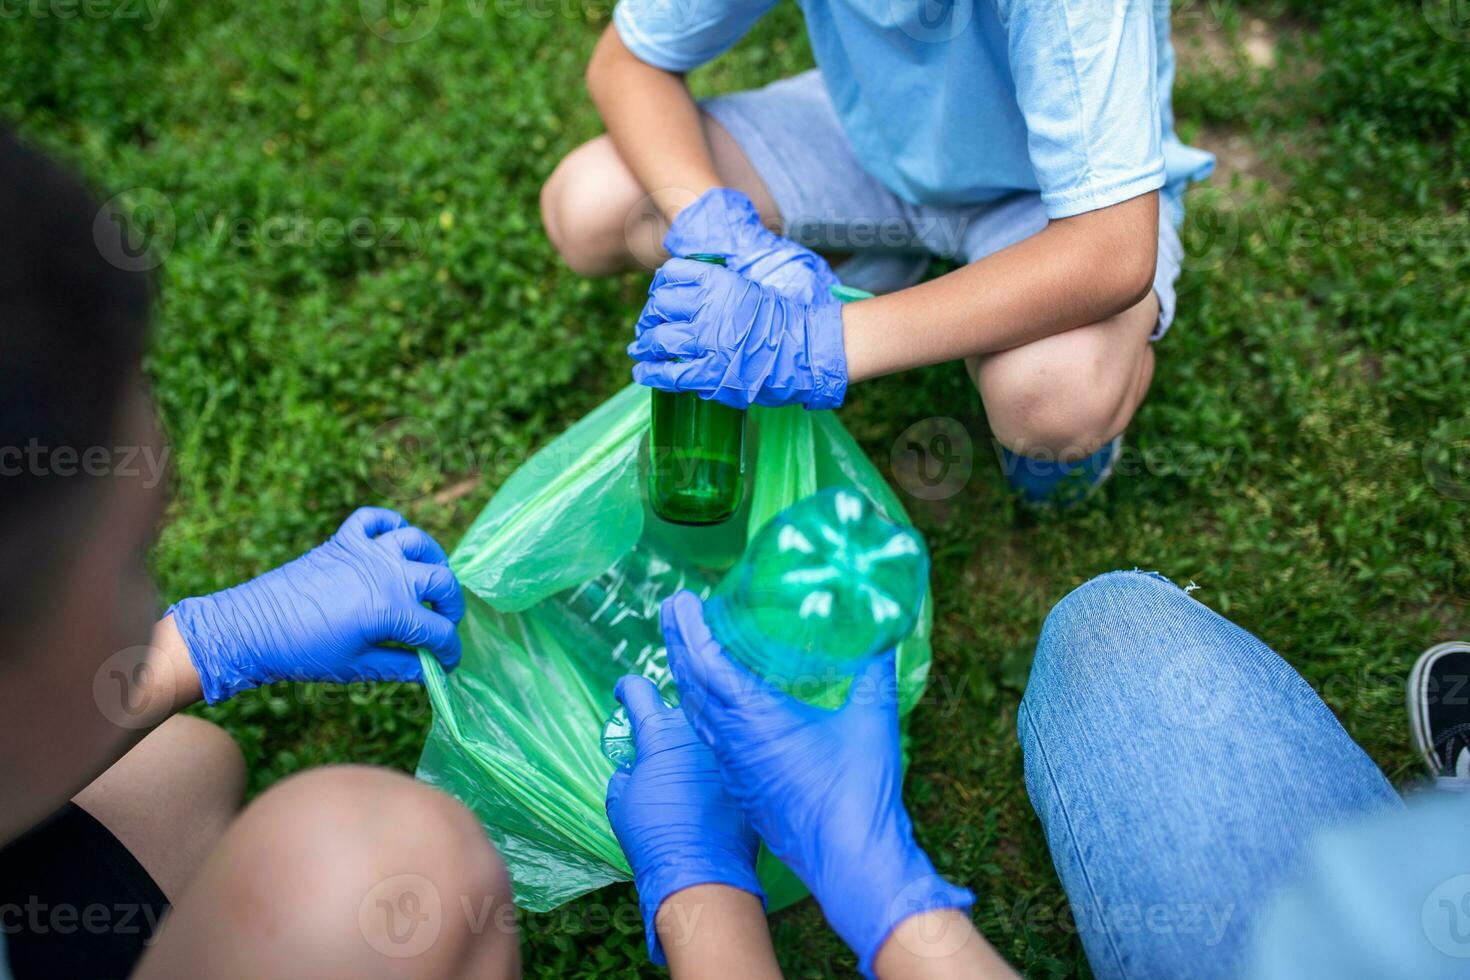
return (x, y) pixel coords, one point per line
(670, 812)
(324, 616)
(711, 331)
(725, 222)
(823, 788)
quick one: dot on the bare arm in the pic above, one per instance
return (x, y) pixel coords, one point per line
(148, 685)
(654, 123)
(714, 932)
(1076, 271)
(135, 691)
(939, 945)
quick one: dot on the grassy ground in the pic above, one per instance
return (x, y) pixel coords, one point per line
(1301, 457)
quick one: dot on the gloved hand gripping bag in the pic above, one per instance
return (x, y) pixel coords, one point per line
(564, 572)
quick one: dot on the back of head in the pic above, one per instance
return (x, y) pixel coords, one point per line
(72, 328)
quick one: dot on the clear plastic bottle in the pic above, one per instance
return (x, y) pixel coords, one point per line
(823, 588)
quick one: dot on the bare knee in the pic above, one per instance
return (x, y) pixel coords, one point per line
(1066, 396)
(596, 214)
(351, 871)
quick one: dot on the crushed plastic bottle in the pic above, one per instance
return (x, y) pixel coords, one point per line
(617, 739)
(617, 733)
(823, 588)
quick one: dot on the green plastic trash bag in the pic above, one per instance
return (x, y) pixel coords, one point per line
(564, 572)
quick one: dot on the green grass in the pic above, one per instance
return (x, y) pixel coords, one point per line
(1313, 384)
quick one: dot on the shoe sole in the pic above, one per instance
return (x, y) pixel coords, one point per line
(1417, 706)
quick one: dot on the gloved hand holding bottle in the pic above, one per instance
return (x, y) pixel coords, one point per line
(326, 615)
(708, 330)
(823, 788)
(725, 222)
(671, 814)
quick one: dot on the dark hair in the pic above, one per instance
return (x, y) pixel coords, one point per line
(73, 322)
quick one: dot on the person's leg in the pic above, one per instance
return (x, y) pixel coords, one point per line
(782, 145)
(170, 799)
(1178, 767)
(600, 219)
(92, 882)
(345, 872)
(1066, 396)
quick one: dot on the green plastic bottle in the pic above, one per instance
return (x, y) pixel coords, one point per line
(696, 453)
(823, 588)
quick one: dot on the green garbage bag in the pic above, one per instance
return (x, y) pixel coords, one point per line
(564, 572)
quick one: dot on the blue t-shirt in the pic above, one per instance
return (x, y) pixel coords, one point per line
(1383, 899)
(958, 102)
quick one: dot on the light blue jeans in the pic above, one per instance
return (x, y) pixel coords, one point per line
(1180, 769)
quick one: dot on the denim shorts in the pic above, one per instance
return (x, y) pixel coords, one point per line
(792, 137)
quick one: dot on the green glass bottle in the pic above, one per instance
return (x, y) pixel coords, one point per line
(696, 453)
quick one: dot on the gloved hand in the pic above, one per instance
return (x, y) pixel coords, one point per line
(725, 222)
(324, 616)
(823, 788)
(670, 812)
(711, 331)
